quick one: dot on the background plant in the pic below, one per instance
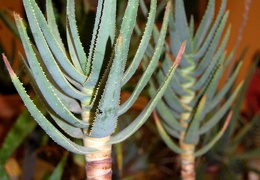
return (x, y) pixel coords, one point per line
(192, 105)
(81, 93)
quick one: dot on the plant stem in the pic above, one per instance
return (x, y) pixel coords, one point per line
(187, 158)
(99, 163)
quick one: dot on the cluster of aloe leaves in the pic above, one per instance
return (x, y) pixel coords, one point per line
(192, 105)
(237, 147)
(82, 92)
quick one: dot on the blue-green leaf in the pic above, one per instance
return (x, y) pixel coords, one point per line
(107, 112)
(41, 80)
(103, 34)
(220, 112)
(140, 120)
(151, 67)
(192, 133)
(143, 44)
(52, 131)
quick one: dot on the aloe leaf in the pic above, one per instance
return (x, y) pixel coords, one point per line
(143, 44)
(175, 84)
(172, 101)
(103, 34)
(73, 31)
(52, 24)
(128, 25)
(70, 103)
(44, 50)
(166, 138)
(164, 112)
(240, 99)
(140, 120)
(23, 126)
(219, 96)
(53, 132)
(170, 130)
(58, 171)
(191, 25)
(175, 41)
(204, 26)
(8, 22)
(181, 24)
(213, 84)
(206, 65)
(151, 67)
(243, 132)
(107, 113)
(207, 147)
(214, 44)
(209, 87)
(221, 112)
(192, 133)
(206, 43)
(67, 128)
(41, 80)
(40, 24)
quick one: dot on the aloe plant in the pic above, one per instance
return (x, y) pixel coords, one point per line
(192, 105)
(82, 92)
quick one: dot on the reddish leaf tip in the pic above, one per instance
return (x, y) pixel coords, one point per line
(8, 66)
(180, 53)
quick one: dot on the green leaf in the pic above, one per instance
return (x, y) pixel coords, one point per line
(67, 128)
(204, 25)
(208, 40)
(107, 112)
(72, 31)
(192, 133)
(22, 127)
(140, 120)
(43, 48)
(166, 138)
(41, 80)
(70, 103)
(206, 66)
(221, 112)
(58, 171)
(212, 142)
(52, 24)
(218, 97)
(103, 34)
(53, 132)
(181, 24)
(243, 131)
(143, 44)
(151, 67)
(251, 154)
(203, 64)
(3, 174)
(8, 22)
(164, 112)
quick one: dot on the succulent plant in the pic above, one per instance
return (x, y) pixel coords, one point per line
(193, 104)
(82, 92)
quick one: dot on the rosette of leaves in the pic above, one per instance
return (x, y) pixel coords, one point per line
(82, 92)
(192, 105)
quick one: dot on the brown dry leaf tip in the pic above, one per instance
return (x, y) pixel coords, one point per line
(17, 16)
(180, 54)
(8, 66)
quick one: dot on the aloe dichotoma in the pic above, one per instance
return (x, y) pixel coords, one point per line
(192, 105)
(81, 92)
